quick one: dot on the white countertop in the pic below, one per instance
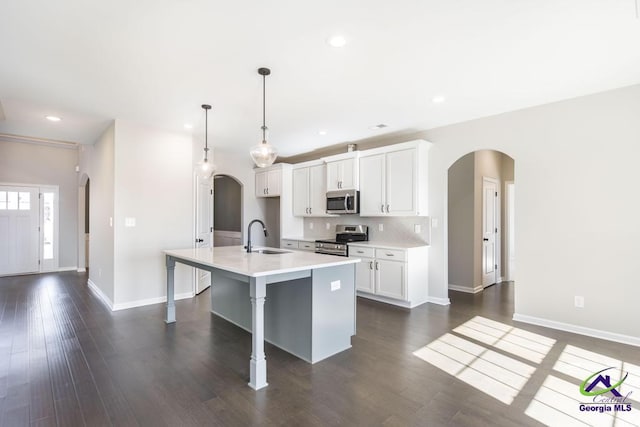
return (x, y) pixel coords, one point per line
(389, 245)
(237, 260)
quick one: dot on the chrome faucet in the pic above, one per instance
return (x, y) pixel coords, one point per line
(264, 228)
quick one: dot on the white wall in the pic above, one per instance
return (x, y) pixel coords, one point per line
(577, 228)
(38, 164)
(97, 162)
(153, 184)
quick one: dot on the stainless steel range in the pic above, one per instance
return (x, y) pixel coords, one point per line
(344, 234)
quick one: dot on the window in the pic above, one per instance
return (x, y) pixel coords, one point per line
(12, 200)
(24, 201)
(48, 225)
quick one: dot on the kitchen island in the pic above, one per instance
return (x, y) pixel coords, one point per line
(302, 302)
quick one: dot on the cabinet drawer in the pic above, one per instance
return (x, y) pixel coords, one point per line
(307, 246)
(357, 251)
(391, 254)
(291, 244)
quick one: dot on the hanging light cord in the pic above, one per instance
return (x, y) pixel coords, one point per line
(264, 109)
(206, 131)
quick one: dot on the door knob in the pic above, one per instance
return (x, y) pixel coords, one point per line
(199, 240)
(485, 239)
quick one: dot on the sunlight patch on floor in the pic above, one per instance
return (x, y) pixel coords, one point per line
(493, 373)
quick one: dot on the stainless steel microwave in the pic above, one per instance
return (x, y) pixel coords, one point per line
(343, 202)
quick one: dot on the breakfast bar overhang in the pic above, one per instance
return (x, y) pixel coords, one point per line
(302, 302)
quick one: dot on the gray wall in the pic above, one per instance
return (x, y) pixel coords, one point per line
(461, 222)
(227, 204)
(97, 162)
(27, 163)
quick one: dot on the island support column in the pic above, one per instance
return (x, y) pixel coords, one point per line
(171, 304)
(258, 364)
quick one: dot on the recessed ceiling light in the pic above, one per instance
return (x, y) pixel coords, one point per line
(322, 132)
(337, 41)
(438, 99)
(53, 118)
(379, 126)
(188, 126)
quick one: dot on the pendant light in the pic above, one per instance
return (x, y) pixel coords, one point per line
(263, 154)
(205, 167)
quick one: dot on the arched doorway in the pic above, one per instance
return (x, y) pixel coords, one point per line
(227, 211)
(480, 221)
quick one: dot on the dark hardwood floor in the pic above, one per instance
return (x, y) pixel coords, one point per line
(67, 360)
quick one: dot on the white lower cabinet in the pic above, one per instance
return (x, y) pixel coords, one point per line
(395, 276)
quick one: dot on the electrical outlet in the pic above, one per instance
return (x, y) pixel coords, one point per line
(310, 226)
(129, 222)
(417, 228)
(110, 221)
(579, 302)
(434, 222)
(335, 285)
(327, 226)
(380, 227)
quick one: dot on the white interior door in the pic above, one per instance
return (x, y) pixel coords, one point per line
(204, 227)
(19, 230)
(489, 231)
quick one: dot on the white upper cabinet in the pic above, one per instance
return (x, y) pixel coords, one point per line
(393, 180)
(309, 191)
(342, 175)
(268, 182)
(342, 171)
(372, 194)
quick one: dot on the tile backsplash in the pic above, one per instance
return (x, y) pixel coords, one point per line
(395, 229)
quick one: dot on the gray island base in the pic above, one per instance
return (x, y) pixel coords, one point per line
(301, 302)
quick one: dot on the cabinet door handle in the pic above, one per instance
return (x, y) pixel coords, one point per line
(377, 266)
(267, 190)
(360, 252)
(382, 208)
(387, 208)
(370, 265)
(309, 210)
(389, 254)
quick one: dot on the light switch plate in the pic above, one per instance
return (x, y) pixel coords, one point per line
(310, 226)
(129, 222)
(380, 227)
(335, 285)
(579, 302)
(434, 222)
(110, 221)
(327, 226)
(417, 228)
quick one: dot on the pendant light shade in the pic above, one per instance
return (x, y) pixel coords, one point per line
(264, 154)
(205, 168)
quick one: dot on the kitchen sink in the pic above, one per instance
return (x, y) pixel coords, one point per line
(270, 251)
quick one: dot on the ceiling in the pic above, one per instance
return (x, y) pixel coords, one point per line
(156, 61)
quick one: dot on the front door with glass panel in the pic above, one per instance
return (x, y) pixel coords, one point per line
(19, 230)
(28, 229)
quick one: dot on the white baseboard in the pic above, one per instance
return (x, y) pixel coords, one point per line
(576, 329)
(96, 290)
(74, 268)
(439, 301)
(465, 289)
(82, 270)
(149, 301)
